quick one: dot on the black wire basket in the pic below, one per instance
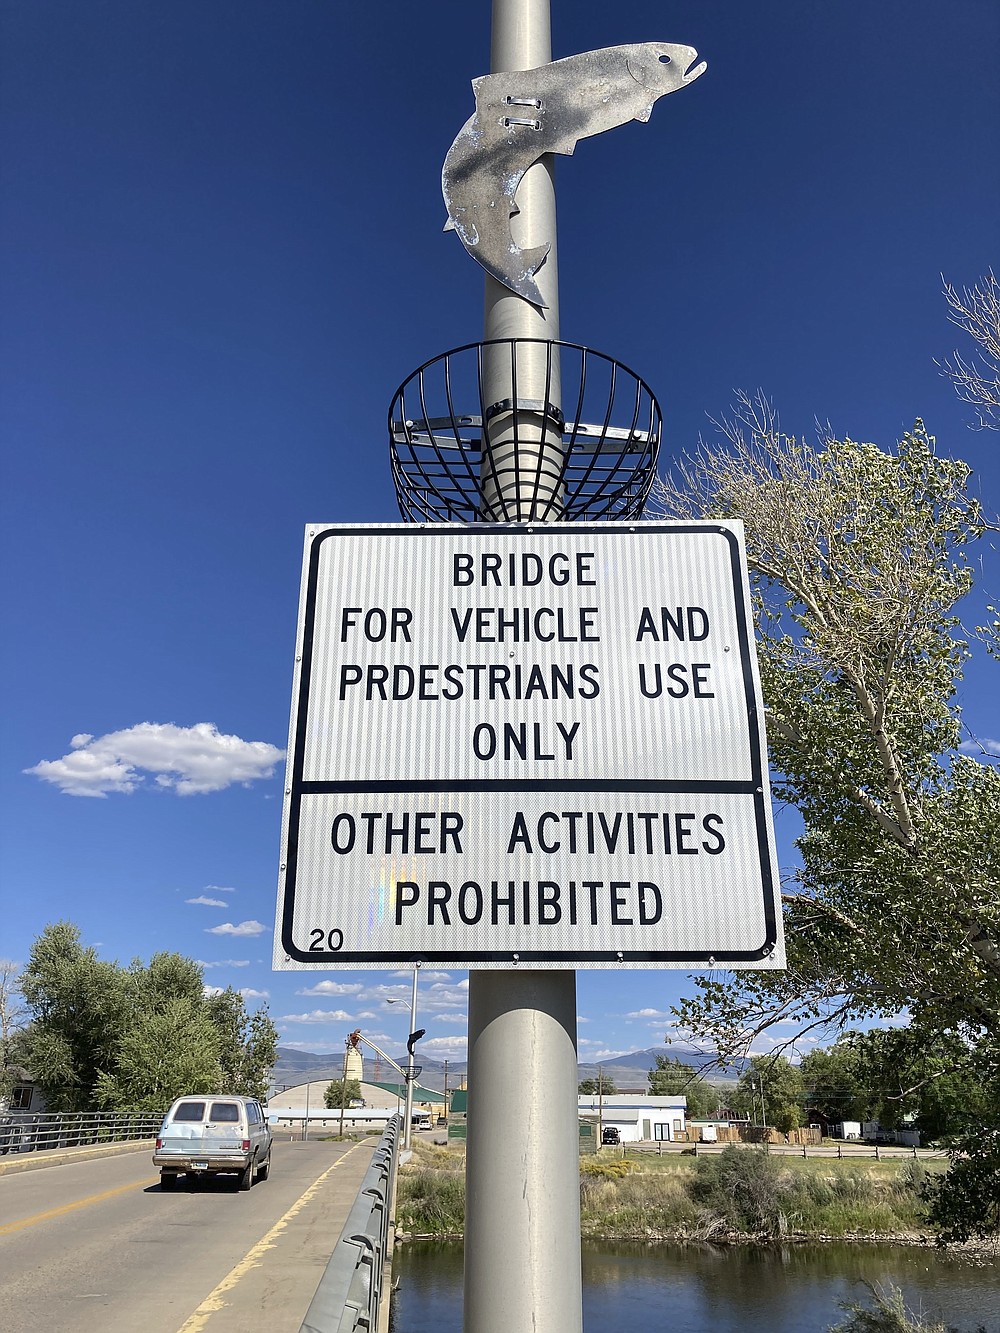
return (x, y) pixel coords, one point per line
(584, 448)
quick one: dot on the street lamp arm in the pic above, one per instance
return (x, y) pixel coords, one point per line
(378, 1051)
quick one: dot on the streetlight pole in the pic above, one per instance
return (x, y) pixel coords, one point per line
(522, 1024)
(408, 1127)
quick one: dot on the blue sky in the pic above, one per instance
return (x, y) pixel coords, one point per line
(222, 250)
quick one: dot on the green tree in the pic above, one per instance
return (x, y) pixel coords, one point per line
(248, 1044)
(940, 1090)
(771, 1088)
(78, 1005)
(835, 1085)
(603, 1085)
(12, 1017)
(673, 1078)
(341, 1092)
(858, 558)
(163, 1053)
(136, 1037)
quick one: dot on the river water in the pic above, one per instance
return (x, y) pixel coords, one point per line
(731, 1289)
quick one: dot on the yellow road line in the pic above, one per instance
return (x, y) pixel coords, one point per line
(213, 1302)
(72, 1207)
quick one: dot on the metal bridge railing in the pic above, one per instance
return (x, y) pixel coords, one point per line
(354, 1286)
(26, 1131)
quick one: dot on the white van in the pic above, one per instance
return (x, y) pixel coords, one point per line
(208, 1136)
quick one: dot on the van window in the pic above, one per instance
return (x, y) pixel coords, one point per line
(225, 1113)
(190, 1111)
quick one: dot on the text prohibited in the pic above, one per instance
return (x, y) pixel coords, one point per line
(527, 746)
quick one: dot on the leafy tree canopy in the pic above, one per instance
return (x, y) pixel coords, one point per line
(770, 1091)
(672, 1078)
(603, 1085)
(105, 1036)
(858, 559)
(341, 1092)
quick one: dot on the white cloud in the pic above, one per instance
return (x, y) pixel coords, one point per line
(218, 888)
(226, 962)
(189, 760)
(212, 990)
(249, 993)
(451, 1018)
(330, 988)
(659, 1014)
(243, 928)
(445, 1045)
(602, 1053)
(202, 901)
(317, 1016)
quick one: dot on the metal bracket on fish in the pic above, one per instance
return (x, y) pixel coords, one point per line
(524, 114)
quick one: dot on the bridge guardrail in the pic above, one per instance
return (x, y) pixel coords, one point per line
(351, 1291)
(36, 1131)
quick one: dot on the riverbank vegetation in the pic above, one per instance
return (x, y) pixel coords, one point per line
(888, 1313)
(739, 1194)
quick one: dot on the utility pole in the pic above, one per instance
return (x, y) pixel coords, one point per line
(600, 1105)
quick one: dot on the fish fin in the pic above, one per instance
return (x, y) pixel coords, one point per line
(449, 225)
(534, 258)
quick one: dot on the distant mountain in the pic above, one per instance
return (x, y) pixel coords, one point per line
(629, 1072)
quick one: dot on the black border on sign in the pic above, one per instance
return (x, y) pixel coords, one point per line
(463, 957)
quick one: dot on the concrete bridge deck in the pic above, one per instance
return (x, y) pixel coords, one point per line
(201, 1261)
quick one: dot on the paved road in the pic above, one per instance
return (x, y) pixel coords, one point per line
(95, 1247)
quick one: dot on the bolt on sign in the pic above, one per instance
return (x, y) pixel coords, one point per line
(537, 745)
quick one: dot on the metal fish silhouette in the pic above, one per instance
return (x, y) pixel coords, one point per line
(522, 115)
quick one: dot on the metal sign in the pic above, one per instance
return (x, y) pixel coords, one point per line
(527, 745)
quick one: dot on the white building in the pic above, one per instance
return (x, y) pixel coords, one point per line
(636, 1116)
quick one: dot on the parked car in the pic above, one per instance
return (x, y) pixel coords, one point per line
(209, 1136)
(610, 1135)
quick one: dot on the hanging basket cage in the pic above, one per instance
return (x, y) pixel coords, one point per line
(599, 424)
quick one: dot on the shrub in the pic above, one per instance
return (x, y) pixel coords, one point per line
(605, 1170)
(888, 1314)
(744, 1187)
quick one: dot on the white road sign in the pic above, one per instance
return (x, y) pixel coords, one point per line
(527, 745)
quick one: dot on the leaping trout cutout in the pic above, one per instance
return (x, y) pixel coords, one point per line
(523, 115)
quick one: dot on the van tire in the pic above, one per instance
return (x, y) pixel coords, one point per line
(246, 1175)
(264, 1168)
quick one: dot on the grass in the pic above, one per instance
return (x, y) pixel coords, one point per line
(738, 1194)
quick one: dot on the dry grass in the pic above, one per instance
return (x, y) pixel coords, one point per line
(738, 1193)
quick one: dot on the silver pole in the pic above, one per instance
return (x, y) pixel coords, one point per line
(408, 1127)
(523, 461)
(522, 1210)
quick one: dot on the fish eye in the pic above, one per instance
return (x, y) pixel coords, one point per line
(664, 60)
